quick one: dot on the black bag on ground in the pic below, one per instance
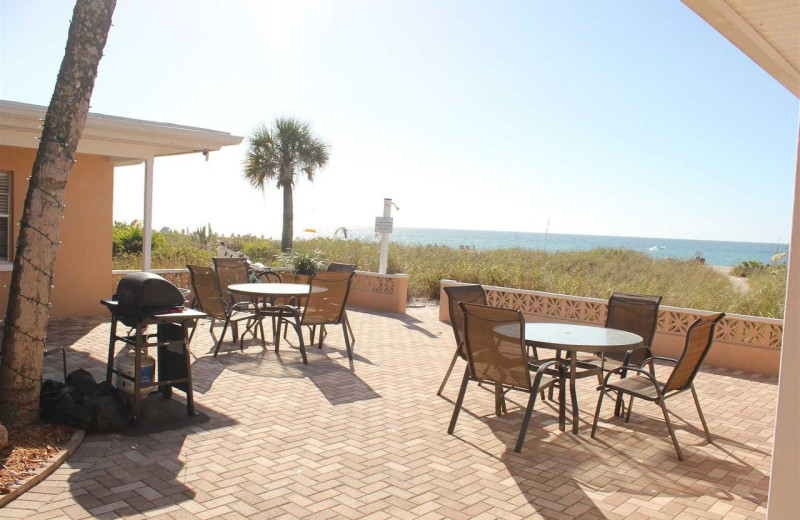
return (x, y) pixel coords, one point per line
(84, 403)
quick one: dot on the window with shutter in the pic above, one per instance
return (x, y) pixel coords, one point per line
(5, 215)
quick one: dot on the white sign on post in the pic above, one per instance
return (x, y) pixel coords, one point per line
(384, 224)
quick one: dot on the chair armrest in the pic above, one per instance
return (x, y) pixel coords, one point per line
(619, 369)
(659, 358)
(284, 311)
(542, 369)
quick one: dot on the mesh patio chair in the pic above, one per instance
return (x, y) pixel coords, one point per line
(237, 270)
(230, 271)
(335, 267)
(494, 345)
(636, 313)
(456, 294)
(220, 305)
(324, 305)
(644, 384)
(632, 313)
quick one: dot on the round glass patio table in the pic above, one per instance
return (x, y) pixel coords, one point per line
(574, 338)
(269, 291)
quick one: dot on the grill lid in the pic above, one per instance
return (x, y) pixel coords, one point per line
(141, 294)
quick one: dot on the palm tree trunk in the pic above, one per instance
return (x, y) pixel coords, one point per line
(32, 278)
(288, 217)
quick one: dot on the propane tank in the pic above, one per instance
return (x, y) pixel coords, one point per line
(126, 364)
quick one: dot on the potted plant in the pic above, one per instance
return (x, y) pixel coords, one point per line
(304, 264)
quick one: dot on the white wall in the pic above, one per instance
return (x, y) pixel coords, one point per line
(784, 485)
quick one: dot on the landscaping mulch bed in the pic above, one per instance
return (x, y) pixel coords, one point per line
(29, 449)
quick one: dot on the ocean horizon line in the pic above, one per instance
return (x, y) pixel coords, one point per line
(362, 228)
(713, 252)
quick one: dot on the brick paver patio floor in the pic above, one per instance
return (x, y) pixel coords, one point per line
(276, 439)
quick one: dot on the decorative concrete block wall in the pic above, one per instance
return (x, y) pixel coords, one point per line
(371, 291)
(745, 343)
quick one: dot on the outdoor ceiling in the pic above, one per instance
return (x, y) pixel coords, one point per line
(768, 31)
(123, 140)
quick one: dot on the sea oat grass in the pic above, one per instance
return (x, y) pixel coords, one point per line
(596, 273)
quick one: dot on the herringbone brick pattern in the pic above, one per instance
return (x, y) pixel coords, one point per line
(277, 439)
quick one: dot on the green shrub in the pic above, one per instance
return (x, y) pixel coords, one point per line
(259, 250)
(127, 238)
(304, 262)
(748, 267)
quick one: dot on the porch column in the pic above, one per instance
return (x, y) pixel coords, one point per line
(147, 224)
(784, 483)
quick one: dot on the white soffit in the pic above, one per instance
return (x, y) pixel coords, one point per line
(768, 31)
(123, 140)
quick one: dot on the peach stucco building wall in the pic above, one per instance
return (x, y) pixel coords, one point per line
(83, 265)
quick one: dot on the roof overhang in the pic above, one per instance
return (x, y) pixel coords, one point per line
(768, 31)
(123, 140)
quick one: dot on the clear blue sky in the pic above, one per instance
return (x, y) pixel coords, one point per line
(607, 117)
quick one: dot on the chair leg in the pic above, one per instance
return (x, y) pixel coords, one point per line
(323, 333)
(347, 342)
(529, 409)
(573, 392)
(669, 427)
(299, 329)
(241, 338)
(276, 336)
(630, 407)
(619, 406)
(194, 328)
(526, 420)
(562, 403)
(699, 412)
(221, 337)
(498, 399)
(350, 329)
(263, 337)
(459, 401)
(449, 371)
(597, 412)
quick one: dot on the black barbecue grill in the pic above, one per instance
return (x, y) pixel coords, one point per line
(143, 295)
(144, 299)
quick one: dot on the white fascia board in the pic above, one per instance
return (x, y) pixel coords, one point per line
(722, 17)
(123, 139)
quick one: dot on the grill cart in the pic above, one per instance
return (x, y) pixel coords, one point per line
(144, 299)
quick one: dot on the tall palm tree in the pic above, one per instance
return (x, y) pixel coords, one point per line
(282, 152)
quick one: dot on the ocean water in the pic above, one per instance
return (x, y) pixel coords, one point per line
(715, 252)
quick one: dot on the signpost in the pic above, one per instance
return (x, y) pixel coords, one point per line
(384, 226)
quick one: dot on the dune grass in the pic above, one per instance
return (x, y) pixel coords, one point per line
(596, 273)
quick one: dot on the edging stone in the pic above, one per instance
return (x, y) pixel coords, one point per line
(55, 463)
